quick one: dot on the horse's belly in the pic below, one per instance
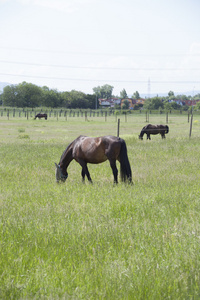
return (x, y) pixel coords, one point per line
(95, 157)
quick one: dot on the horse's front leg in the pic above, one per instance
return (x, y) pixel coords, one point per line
(163, 136)
(84, 170)
(115, 171)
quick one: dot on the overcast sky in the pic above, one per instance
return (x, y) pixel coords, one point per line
(149, 46)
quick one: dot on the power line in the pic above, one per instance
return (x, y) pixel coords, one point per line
(101, 53)
(100, 68)
(105, 80)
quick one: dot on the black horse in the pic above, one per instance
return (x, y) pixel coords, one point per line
(154, 129)
(39, 116)
(95, 150)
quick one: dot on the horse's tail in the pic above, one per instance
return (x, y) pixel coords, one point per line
(125, 168)
(167, 129)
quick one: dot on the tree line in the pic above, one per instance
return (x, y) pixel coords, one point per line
(30, 95)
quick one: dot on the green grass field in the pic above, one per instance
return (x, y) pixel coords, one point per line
(83, 241)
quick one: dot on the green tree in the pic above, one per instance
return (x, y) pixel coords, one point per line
(136, 95)
(125, 104)
(65, 96)
(171, 95)
(92, 101)
(197, 106)
(104, 91)
(28, 94)
(123, 94)
(10, 96)
(172, 105)
(153, 103)
(182, 97)
(54, 99)
(77, 99)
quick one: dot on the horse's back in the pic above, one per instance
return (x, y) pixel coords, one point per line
(96, 149)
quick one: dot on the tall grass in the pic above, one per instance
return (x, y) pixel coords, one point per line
(83, 241)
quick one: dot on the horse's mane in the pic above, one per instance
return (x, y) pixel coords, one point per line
(63, 155)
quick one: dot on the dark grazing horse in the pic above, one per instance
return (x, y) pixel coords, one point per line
(154, 129)
(39, 116)
(95, 150)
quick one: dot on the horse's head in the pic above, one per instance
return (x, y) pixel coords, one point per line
(140, 137)
(59, 174)
(166, 129)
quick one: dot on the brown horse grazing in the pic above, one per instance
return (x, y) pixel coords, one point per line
(95, 150)
(39, 116)
(154, 129)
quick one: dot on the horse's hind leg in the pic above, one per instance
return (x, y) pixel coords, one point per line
(88, 174)
(115, 171)
(83, 175)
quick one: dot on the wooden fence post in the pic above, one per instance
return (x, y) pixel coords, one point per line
(191, 125)
(125, 117)
(147, 116)
(118, 127)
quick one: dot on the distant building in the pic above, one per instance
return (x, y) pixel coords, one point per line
(184, 102)
(191, 102)
(111, 102)
(132, 102)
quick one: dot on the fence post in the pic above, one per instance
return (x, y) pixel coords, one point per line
(125, 117)
(191, 125)
(118, 127)
(167, 117)
(147, 116)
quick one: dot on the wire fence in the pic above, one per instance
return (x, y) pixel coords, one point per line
(29, 113)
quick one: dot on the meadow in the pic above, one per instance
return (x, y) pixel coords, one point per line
(100, 241)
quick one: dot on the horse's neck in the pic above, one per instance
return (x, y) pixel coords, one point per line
(142, 132)
(66, 158)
